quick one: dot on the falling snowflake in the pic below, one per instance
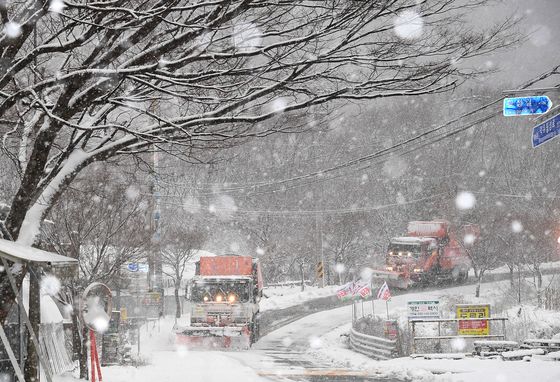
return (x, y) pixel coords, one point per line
(57, 6)
(287, 341)
(68, 309)
(191, 205)
(465, 200)
(469, 239)
(395, 167)
(234, 247)
(516, 226)
(50, 285)
(12, 29)
(339, 267)
(540, 35)
(366, 274)
(246, 37)
(132, 192)
(278, 105)
(408, 25)
(315, 342)
(259, 251)
(182, 350)
(223, 207)
(458, 344)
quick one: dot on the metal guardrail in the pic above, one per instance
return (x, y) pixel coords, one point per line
(440, 337)
(375, 347)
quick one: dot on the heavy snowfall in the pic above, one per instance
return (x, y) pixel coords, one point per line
(279, 190)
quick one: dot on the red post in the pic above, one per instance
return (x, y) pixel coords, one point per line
(95, 365)
(92, 354)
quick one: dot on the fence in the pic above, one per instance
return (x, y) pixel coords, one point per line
(52, 342)
(375, 347)
(440, 337)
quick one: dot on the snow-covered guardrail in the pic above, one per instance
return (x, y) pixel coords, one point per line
(375, 347)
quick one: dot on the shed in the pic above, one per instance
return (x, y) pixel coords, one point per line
(62, 266)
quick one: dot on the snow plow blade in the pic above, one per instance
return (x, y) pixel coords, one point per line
(214, 338)
(393, 279)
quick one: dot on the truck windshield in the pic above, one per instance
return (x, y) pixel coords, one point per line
(231, 291)
(404, 250)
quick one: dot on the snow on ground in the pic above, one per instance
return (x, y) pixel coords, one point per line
(286, 296)
(535, 322)
(162, 361)
(504, 268)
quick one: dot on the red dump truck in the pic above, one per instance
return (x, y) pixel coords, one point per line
(428, 254)
(224, 300)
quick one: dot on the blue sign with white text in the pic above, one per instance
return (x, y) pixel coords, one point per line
(546, 130)
(526, 105)
(133, 267)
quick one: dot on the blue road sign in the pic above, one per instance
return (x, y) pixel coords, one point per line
(546, 130)
(133, 267)
(526, 105)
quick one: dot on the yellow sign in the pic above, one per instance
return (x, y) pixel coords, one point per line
(320, 273)
(124, 314)
(472, 326)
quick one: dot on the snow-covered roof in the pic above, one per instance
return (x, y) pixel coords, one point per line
(228, 277)
(411, 240)
(21, 253)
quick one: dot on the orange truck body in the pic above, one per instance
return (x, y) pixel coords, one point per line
(216, 320)
(226, 266)
(430, 252)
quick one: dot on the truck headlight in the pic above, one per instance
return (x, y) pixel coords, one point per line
(418, 270)
(219, 298)
(389, 268)
(231, 298)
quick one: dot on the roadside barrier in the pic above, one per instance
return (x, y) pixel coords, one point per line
(375, 347)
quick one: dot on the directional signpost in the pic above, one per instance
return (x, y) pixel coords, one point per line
(546, 131)
(526, 105)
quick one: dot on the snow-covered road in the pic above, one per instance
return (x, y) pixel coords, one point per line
(310, 349)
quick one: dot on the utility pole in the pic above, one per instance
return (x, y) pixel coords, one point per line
(302, 276)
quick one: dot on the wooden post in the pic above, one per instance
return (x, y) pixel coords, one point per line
(413, 337)
(439, 335)
(387, 306)
(362, 308)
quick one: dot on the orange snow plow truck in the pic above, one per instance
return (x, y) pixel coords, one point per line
(224, 300)
(428, 254)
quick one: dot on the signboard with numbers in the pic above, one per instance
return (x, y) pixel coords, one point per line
(425, 309)
(546, 131)
(473, 327)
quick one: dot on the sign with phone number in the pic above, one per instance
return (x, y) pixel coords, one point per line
(473, 327)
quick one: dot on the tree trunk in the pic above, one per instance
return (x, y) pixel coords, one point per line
(31, 369)
(479, 281)
(539, 285)
(6, 291)
(511, 274)
(519, 284)
(177, 302)
(84, 353)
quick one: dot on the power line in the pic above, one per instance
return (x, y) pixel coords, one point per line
(424, 139)
(342, 211)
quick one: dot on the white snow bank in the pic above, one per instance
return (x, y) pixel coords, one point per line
(286, 296)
